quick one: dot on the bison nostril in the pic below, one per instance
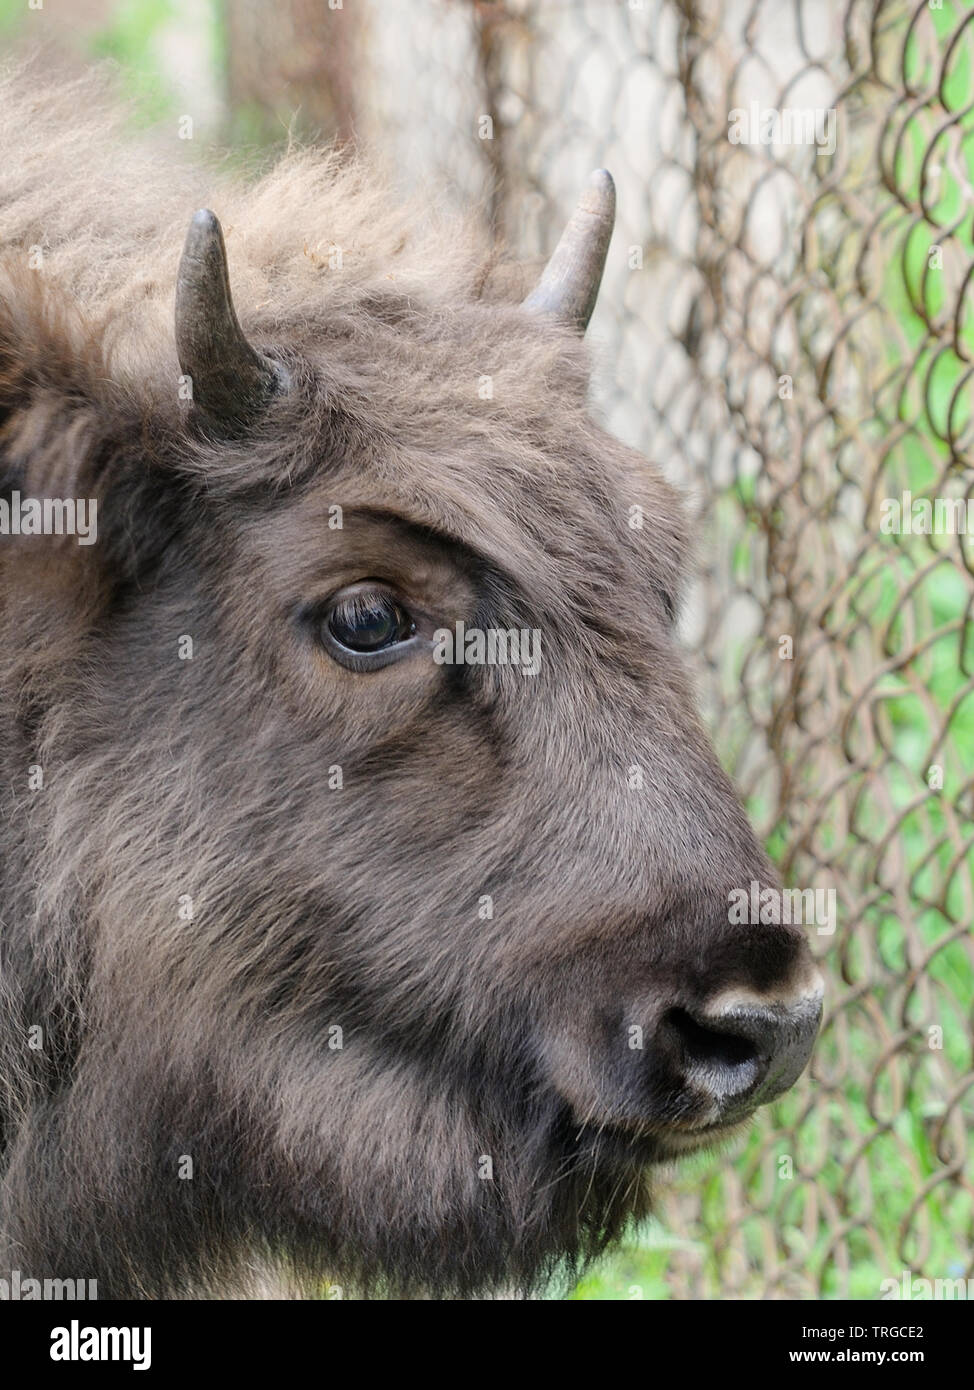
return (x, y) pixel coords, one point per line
(741, 1051)
(727, 1063)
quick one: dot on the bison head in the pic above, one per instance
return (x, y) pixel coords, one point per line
(374, 906)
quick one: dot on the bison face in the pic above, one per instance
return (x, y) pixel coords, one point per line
(408, 951)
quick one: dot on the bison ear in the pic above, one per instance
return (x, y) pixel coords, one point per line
(570, 283)
(231, 381)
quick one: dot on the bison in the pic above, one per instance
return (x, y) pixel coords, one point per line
(327, 952)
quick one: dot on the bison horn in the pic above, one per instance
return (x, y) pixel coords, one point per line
(231, 382)
(570, 284)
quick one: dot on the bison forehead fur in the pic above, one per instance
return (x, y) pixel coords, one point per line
(207, 1034)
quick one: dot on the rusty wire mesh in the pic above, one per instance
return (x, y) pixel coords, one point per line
(790, 334)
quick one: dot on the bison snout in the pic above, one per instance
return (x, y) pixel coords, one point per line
(740, 1053)
(668, 1055)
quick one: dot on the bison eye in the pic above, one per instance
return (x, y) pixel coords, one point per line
(363, 626)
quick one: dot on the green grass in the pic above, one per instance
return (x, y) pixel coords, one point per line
(130, 39)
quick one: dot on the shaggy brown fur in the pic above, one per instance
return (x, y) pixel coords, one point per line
(465, 1034)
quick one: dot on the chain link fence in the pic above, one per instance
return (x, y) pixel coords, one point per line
(788, 330)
